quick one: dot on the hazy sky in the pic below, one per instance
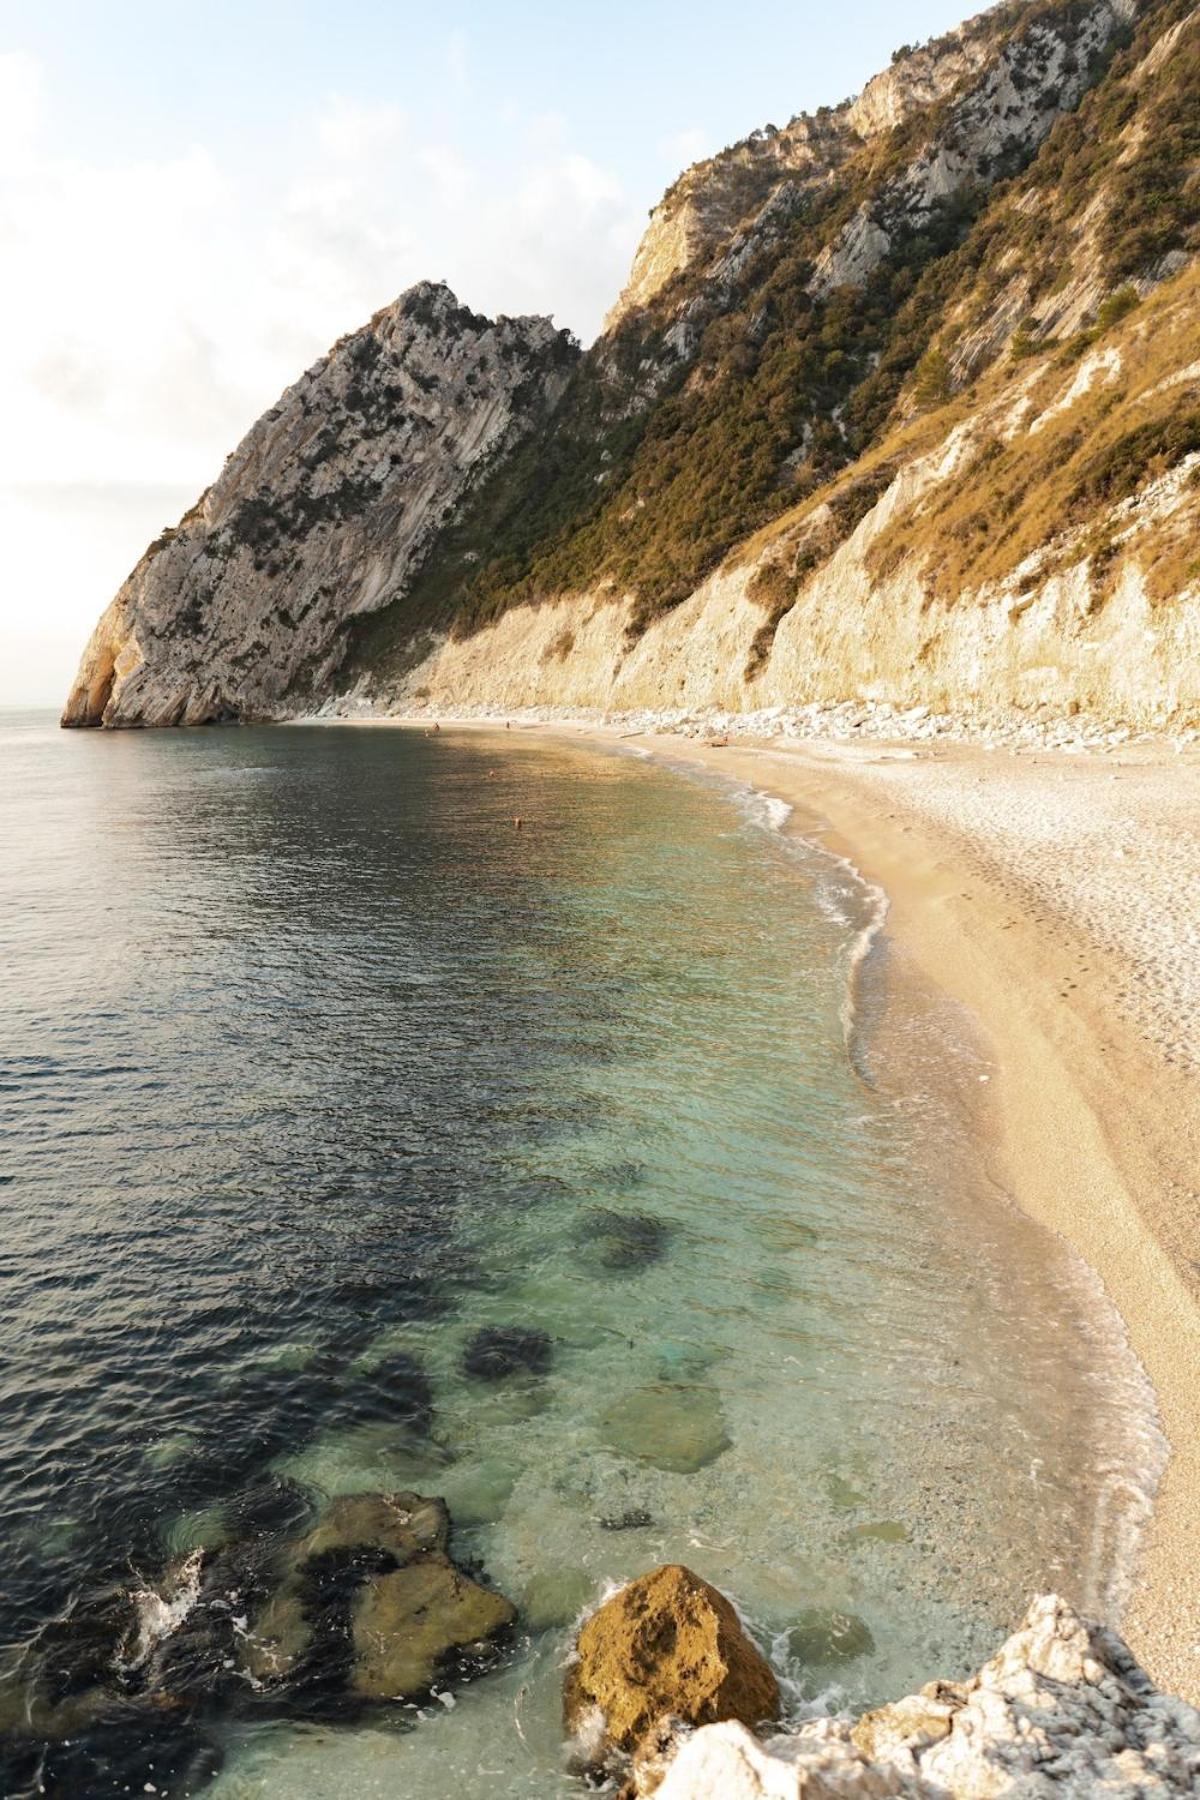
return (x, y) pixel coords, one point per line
(196, 200)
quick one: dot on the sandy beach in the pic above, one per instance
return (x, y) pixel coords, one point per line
(1056, 897)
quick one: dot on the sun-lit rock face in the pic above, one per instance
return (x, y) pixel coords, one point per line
(1002, 108)
(667, 1648)
(1061, 1712)
(898, 407)
(321, 514)
(701, 212)
(1003, 102)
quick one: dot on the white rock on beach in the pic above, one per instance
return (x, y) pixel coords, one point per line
(1062, 1711)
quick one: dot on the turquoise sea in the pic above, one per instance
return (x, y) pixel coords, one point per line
(315, 1068)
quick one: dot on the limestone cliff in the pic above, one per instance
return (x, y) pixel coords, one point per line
(1030, 546)
(985, 499)
(1001, 96)
(1062, 1710)
(901, 404)
(321, 514)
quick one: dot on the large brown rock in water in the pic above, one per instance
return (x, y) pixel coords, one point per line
(414, 1615)
(409, 1623)
(666, 1646)
(403, 1526)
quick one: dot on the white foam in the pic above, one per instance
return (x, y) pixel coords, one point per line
(773, 813)
(158, 1617)
(858, 950)
(764, 809)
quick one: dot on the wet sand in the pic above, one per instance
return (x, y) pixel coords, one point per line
(1057, 897)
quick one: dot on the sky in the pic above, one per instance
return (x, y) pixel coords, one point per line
(195, 201)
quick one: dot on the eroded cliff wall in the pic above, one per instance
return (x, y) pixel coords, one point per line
(902, 403)
(323, 513)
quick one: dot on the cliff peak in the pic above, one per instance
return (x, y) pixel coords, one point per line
(322, 513)
(927, 357)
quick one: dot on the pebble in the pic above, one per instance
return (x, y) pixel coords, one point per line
(830, 720)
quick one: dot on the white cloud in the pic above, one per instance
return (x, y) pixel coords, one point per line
(152, 309)
(453, 177)
(349, 131)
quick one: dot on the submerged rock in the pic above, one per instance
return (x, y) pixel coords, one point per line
(554, 1597)
(842, 1494)
(497, 1351)
(684, 1362)
(395, 1389)
(371, 1605)
(882, 1531)
(188, 1649)
(364, 1606)
(405, 1525)
(273, 1505)
(1062, 1711)
(667, 1647)
(634, 1518)
(676, 1426)
(80, 1651)
(129, 1750)
(621, 1243)
(280, 1637)
(302, 1632)
(821, 1635)
(410, 1623)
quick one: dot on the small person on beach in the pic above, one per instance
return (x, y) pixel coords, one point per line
(518, 822)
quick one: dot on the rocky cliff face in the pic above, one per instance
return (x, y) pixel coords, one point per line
(666, 1691)
(1035, 551)
(993, 510)
(322, 513)
(1005, 98)
(901, 405)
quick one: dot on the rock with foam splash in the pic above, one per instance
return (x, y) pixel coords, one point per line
(356, 1534)
(667, 1647)
(371, 1603)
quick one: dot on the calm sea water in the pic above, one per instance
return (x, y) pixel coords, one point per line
(313, 1066)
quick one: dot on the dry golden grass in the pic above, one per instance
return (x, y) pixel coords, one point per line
(1032, 487)
(1023, 490)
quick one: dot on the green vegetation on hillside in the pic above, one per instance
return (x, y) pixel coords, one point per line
(646, 479)
(1013, 499)
(1131, 148)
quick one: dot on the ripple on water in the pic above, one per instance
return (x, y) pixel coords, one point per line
(533, 1174)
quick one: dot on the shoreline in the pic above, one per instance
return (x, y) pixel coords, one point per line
(1071, 1150)
(1097, 1132)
